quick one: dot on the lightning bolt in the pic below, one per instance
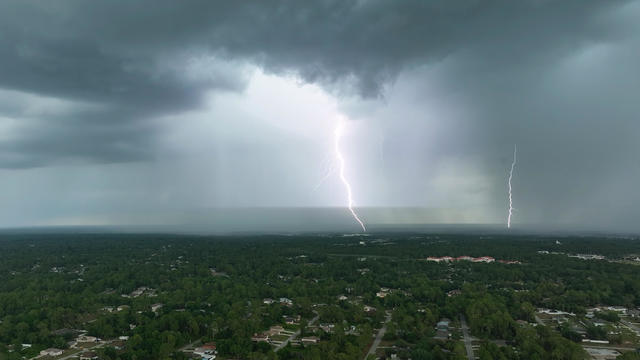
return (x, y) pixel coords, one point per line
(337, 135)
(513, 164)
(329, 168)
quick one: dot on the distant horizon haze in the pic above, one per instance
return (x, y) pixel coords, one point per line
(287, 220)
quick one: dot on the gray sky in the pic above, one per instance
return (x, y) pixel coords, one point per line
(165, 112)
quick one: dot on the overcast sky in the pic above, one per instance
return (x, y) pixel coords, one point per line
(164, 112)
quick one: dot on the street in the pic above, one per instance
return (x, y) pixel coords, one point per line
(381, 332)
(295, 334)
(467, 339)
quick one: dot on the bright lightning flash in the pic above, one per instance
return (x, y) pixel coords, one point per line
(341, 165)
(513, 164)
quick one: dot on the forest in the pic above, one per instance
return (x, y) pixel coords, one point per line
(160, 296)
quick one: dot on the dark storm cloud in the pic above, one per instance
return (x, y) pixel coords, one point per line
(99, 136)
(130, 58)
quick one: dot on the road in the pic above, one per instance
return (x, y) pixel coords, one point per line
(188, 346)
(76, 354)
(467, 339)
(295, 334)
(381, 332)
(631, 326)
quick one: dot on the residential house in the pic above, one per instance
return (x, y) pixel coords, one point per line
(443, 324)
(328, 328)
(292, 320)
(275, 330)
(206, 351)
(369, 309)
(286, 301)
(307, 340)
(263, 337)
(118, 345)
(442, 330)
(51, 352)
(86, 339)
(89, 355)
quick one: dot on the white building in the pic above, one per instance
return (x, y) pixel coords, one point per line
(286, 301)
(51, 352)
